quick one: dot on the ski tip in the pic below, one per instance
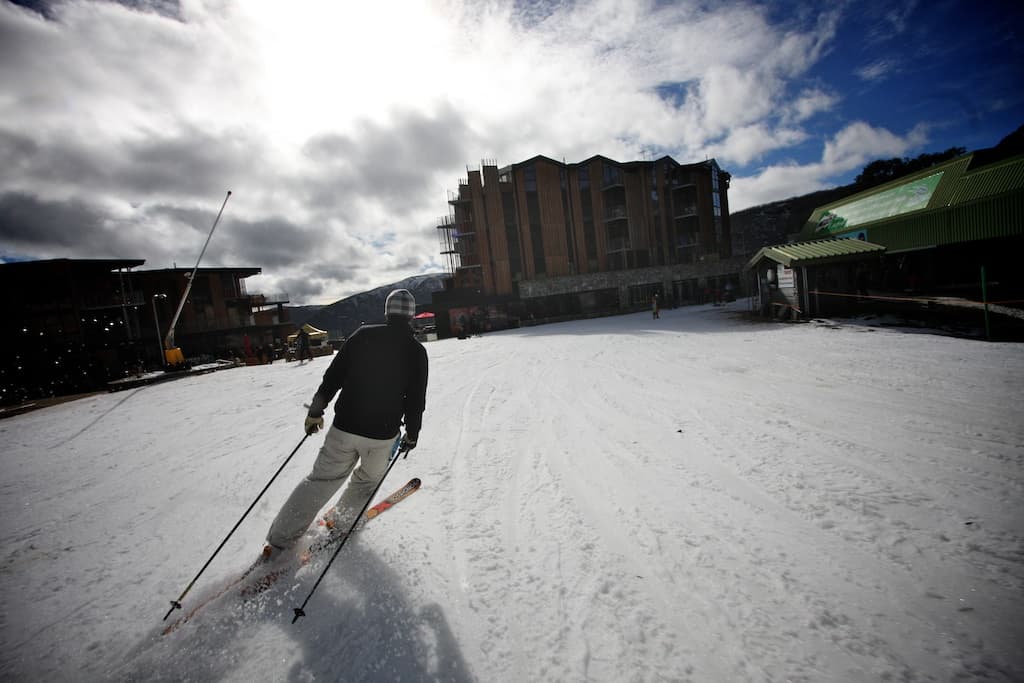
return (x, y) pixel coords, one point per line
(371, 513)
(415, 482)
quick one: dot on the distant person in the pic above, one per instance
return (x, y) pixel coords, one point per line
(302, 348)
(381, 372)
(862, 283)
(654, 306)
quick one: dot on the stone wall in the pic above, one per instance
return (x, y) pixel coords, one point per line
(623, 279)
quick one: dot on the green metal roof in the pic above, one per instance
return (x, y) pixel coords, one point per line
(989, 181)
(965, 204)
(816, 252)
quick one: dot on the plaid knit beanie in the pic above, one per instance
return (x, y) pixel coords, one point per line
(401, 303)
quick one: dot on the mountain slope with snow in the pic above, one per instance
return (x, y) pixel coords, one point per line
(692, 498)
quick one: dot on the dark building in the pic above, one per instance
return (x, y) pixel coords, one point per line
(73, 325)
(219, 314)
(542, 240)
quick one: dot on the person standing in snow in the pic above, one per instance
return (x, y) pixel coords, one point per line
(654, 306)
(381, 372)
(302, 350)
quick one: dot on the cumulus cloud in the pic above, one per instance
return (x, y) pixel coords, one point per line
(859, 142)
(849, 149)
(339, 127)
(749, 143)
(809, 103)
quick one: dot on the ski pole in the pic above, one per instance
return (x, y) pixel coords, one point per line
(176, 604)
(394, 458)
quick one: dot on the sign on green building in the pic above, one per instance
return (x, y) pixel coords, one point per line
(895, 201)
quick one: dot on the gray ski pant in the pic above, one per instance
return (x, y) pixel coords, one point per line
(336, 460)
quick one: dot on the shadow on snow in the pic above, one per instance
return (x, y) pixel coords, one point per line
(359, 627)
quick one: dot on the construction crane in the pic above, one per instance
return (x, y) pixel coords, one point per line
(173, 357)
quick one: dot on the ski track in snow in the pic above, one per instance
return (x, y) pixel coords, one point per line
(695, 498)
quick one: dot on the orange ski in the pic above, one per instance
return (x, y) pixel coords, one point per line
(400, 494)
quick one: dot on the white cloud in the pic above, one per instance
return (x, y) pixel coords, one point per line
(809, 103)
(849, 149)
(334, 123)
(749, 143)
(775, 183)
(877, 70)
(859, 143)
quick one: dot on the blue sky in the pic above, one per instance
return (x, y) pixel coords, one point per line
(954, 66)
(340, 127)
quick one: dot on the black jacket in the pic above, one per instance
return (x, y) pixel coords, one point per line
(381, 371)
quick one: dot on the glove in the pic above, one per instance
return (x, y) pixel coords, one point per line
(314, 424)
(408, 443)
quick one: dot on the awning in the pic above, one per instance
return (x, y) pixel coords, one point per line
(817, 252)
(313, 332)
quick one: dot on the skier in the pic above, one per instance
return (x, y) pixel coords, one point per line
(381, 371)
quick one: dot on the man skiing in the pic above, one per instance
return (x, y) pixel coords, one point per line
(381, 372)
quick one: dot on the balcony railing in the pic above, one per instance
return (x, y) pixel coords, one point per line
(686, 211)
(259, 299)
(615, 213)
(612, 180)
(617, 245)
(270, 298)
(456, 198)
(114, 301)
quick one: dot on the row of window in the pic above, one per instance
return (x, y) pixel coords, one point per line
(619, 257)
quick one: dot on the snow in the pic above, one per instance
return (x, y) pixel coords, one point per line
(700, 497)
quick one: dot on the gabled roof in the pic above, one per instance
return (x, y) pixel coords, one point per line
(816, 252)
(600, 157)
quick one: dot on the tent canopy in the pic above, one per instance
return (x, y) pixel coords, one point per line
(313, 333)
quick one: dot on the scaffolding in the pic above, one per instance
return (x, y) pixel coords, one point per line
(448, 235)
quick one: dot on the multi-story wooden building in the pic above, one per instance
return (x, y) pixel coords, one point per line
(542, 239)
(219, 314)
(73, 325)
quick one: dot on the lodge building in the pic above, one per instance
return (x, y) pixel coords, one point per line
(542, 240)
(948, 235)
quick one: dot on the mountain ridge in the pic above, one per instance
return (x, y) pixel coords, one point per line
(344, 316)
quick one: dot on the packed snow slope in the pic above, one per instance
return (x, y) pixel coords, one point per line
(695, 498)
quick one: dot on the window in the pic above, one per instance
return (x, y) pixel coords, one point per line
(583, 174)
(515, 258)
(536, 232)
(612, 175)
